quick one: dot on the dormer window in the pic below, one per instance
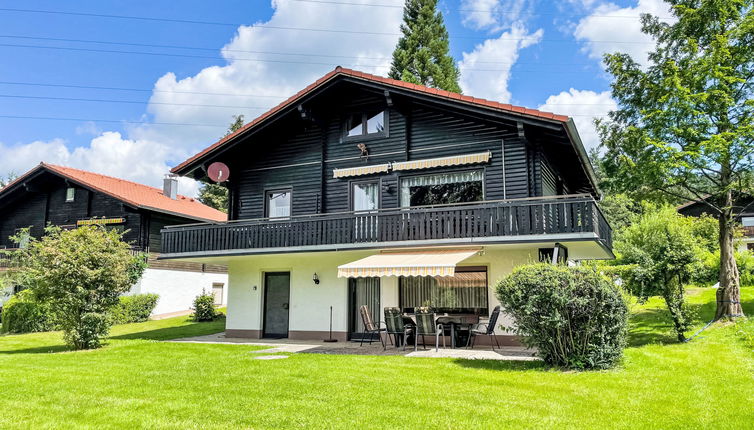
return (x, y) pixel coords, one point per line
(366, 124)
(70, 194)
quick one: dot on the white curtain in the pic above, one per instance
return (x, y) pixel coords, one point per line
(365, 197)
(436, 179)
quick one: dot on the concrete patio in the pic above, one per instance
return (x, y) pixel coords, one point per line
(509, 353)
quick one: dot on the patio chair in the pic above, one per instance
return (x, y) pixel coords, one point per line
(370, 327)
(395, 326)
(485, 329)
(426, 325)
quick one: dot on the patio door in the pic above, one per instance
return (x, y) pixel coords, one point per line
(277, 292)
(365, 200)
(362, 291)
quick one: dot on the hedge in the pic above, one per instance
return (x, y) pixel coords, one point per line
(134, 308)
(22, 313)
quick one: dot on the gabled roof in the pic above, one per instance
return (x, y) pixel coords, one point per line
(131, 193)
(340, 71)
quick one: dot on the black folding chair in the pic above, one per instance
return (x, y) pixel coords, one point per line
(370, 327)
(426, 325)
(485, 329)
(395, 326)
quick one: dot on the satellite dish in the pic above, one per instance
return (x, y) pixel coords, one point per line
(218, 172)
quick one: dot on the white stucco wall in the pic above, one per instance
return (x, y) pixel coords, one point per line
(177, 289)
(310, 303)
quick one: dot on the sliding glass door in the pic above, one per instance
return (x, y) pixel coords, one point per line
(362, 291)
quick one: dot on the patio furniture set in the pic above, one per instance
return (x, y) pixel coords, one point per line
(404, 326)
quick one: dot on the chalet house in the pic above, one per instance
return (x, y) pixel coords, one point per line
(743, 208)
(69, 198)
(362, 190)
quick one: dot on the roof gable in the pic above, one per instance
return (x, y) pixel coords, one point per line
(340, 72)
(131, 193)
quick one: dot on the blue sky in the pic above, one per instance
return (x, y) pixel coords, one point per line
(248, 54)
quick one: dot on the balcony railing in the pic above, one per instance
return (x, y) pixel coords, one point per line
(6, 258)
(562, 217)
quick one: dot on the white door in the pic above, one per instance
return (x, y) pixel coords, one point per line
(217, 291)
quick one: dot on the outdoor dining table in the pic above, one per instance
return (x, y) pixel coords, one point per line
(455, 321)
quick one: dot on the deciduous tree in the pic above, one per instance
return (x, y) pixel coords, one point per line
(80, 273)
(685, 121)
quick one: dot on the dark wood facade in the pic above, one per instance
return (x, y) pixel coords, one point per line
(42, 199)
(300, 154)
(301, 148)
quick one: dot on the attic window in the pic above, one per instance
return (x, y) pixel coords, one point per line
(70, 194)
(371, 123)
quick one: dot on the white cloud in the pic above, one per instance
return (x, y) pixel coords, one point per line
(109, 153)
(494, 15)
(258, 82)
(603, 32)
(145, 153)
(583, 106)
(504, 51)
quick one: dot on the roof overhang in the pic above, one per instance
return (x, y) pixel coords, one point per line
(465, 103)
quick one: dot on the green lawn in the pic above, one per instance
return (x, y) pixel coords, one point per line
(138, 382)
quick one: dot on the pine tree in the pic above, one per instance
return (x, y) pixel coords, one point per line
(216, 195)
(422, 54)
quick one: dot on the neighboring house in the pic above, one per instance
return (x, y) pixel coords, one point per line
(363, 190)
(68, 198)
(743, 208)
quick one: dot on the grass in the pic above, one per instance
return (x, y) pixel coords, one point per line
(138, 382)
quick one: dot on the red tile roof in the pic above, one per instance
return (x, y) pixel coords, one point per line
(134, 194)
(340, 71)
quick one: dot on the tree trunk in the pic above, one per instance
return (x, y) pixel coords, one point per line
(729, 293)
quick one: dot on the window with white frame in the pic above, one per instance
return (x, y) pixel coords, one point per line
(278, 204)
(70, 194)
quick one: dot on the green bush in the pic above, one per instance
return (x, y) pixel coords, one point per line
(574, 316)
(708, 272)
(204, 307)
(23, 313)
(135, 308)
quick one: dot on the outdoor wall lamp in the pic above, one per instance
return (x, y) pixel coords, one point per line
(315, 278)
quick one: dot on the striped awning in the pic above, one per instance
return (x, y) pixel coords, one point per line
(436, 262)
(464, 279)
(360, 171)
(456, 160)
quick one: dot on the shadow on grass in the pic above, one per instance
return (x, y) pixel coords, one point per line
(169, 333)
(499, 365)
(166, 333)
(50, 349)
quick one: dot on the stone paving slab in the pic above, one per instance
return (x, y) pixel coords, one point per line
(510, 353)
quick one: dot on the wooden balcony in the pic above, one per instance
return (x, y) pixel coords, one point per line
(6, 259)
(560, 218)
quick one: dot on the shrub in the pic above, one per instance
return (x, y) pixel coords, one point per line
(23, 313)
(574, 316)
(708, 271)
(135, 308)
(81, 273)
(661, 254)
(204, 307)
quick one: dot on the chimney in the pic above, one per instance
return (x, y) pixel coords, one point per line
(170, 186)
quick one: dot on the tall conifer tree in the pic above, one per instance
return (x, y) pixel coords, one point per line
(422, 54)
